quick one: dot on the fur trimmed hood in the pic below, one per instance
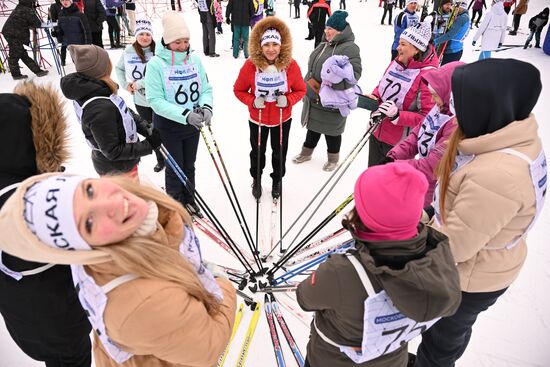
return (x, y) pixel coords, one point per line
(285, 57)
(49, 126)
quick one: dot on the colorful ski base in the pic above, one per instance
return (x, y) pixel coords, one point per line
(321, 241)
(248, 337)
(273, 332)
(286, 331)
(273, 223)
(238, 319)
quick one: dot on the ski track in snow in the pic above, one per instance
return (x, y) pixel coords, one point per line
(514, 332)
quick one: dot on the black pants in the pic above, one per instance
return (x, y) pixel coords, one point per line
(377, 150)
(209, 35)
(333, 142)
(479, 14)
(182, 142)
(393, 54)
(387, 8)
(318, 34)
(114, 30)
(296, 10)
(343, 4)
(17, 52)
(455, 56)
(63, 54)
(276, 162)
(445, 342)
(517, 19)
(97, 39)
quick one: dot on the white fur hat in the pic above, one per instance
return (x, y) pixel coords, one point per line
(174, 27)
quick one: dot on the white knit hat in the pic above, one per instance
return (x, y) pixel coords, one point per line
(49, 212)
(174, 27)
(270, 35)
(412, 1)
(462, 4)
(143, 25)
(419, 35)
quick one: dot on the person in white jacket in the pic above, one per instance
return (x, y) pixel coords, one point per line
(492, 29)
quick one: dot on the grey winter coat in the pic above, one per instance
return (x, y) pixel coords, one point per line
(315, 117)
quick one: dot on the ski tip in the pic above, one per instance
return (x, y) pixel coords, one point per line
(272, 297)
(255, 306)
(253, 288)
(262, 284)
(266, 299)
(242, 284)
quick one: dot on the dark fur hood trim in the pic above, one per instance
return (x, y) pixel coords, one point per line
(256, 56)
(49, 125)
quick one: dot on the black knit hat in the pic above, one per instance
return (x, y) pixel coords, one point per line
(490, 94)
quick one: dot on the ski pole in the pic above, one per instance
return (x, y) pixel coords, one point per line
(250, 244)
(190, 187)
(258, 178)
(218, 151)
(351, 156)
(299, 270)
(281, 178)
(321, 225)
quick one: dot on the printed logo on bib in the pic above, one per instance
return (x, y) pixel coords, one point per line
(202, 5)
(135, 68)
(270, 85)
(182, 85)
(396, 82)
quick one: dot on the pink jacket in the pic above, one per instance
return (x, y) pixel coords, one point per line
(440, 81)
(416, 105)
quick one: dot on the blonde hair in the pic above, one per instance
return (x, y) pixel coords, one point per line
(151, 258)
(113, 86)
(445, 167)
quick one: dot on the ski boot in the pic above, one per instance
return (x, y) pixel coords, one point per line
(257, 189)
(276, 189)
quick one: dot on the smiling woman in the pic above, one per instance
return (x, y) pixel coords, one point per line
(135, 262)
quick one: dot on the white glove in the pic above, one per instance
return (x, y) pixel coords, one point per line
(259, 103)
(282, 101)
(216, 270)
(390, 109)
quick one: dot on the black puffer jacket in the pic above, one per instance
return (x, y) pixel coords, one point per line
(95, 12)
(74, 26)
(239, 12)
(42, 312)
(20, 21)
(102, 125)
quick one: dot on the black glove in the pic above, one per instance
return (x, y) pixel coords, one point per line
(160, 162)
(154, 139)
(386, 160)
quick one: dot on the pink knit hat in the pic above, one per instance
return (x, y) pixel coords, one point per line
(389, 201)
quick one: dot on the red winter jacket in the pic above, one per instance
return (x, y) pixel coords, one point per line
(416, 105)
(244, 89)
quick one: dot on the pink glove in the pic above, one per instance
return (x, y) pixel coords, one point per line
(389, 109)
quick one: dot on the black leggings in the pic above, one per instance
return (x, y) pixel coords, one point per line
(276, 163)
(114, 30)
(479, 14)
(333, 142)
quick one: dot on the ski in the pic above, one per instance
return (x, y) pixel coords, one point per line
(273, 332)
(202, 225)
(238, 319)
(273, 223)
(248, 337)
(286, 332)
(295, 311)
(331, 249)
(321, 241)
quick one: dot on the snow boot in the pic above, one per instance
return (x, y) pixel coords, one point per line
(40, 73)
(276, 189)
(257, 189)
(304, 156)
(19, 77)
(332, 162)
(194, 210)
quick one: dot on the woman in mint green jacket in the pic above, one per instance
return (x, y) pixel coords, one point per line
(180, 95)
(130, 72)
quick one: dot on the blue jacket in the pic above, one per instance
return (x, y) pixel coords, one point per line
(402, 21)
(155, 84)
(456, 34)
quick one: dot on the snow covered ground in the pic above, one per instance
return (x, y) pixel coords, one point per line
(514, 332)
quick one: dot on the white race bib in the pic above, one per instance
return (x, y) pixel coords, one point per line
(396, 82)
(270, 85)
(183, 85)
(135, 68)
(202, 5)
(427, 133)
